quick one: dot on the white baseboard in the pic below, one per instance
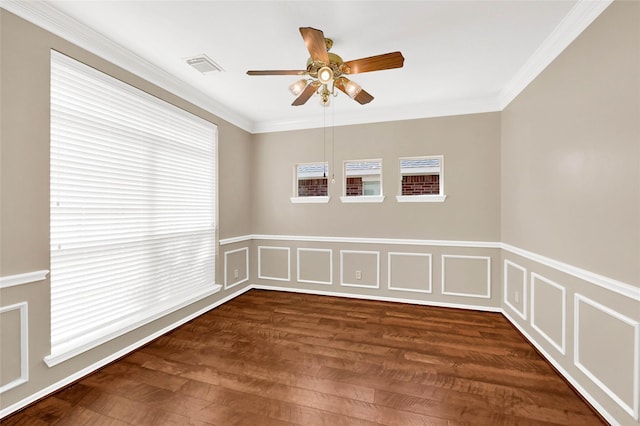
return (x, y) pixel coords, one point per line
(379, 298)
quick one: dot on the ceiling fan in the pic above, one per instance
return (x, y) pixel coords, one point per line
(327, 71)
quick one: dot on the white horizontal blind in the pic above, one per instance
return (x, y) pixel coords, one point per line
(133, 198)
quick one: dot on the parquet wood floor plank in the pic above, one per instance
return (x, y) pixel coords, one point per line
(272, 358)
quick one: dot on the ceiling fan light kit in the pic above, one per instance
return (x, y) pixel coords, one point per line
(326, 69)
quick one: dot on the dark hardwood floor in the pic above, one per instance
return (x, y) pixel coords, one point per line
(273, 358)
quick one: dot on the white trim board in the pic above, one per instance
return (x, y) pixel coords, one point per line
(246, 257)
(26, 278)
(444, 257)
(263, 277)
(343, 283)
(562, 345)
(302, 249)
(391, 287)
(379, 298)
(23, 308)
(505, 283)
(607, 283)
(632, 410)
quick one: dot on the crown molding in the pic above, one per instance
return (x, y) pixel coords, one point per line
(51, 19)
(380, 115)
(48, 17)
(583, 13)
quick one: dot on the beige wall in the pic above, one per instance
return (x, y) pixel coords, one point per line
(571, 153)
(571, 193)
(24, 197)
(471, 148)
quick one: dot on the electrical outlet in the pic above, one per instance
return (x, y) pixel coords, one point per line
(358, 275)
(517, 297)
(235, 273)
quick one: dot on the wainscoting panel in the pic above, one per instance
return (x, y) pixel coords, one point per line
(467, 276)
(514, 293)
(236, 267)
(410, 272)
(607, 350)
(274, 263)
(587, 326)
(360, 268)
(14, 363)
(315, 266)
(549, 311)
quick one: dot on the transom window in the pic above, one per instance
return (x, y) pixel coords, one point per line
(421, 179)
(311, 183)
(363, 181)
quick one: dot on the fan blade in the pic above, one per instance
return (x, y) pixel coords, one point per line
(314, 40)
(277, 72)
(363, 97)
(374, 63)
(305, 95)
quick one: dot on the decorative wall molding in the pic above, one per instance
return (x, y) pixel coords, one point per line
(264, 277)
(300, 280)
(583, 13)
(385, 241)
(347, 284)
(226, 269)
(26, 278)
(390, 285)
(233, 240)
(610, 284)
(634, 407)
(22, 307)
(505, 292)
(607, 283)
(486, 295)
(560, 346)
(379, 298)
(53, 20)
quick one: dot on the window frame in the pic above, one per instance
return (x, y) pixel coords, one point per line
(422, 198)
(312, 199)
(361, 198)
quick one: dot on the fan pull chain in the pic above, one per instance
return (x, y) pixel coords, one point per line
(333, 154)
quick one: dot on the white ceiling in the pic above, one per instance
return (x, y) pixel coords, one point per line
(460, 56)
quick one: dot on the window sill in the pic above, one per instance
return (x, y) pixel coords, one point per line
(303, 200)
(80, 345)
(421, 198)
(363, 199)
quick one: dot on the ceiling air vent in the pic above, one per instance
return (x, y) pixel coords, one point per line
(203, 64)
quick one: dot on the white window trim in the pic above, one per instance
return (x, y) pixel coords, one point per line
(362, 198)
(422, 198)
(310, 200)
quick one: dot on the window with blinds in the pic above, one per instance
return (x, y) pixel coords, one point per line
(133, 208)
